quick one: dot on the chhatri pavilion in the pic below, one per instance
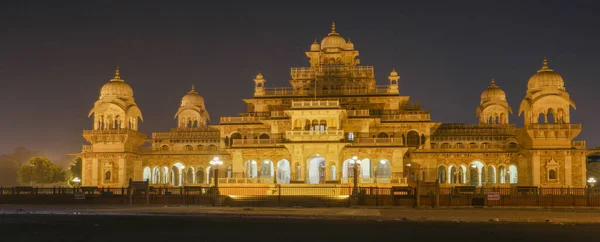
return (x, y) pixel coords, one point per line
(334, 123)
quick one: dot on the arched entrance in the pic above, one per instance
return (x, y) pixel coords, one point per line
(476, 173)
(146, 174)
(200, 175)
(189, 178)
(155, 175)
(383, 171)
(283, 172)
(513, 174)
(251, 169)
(177, 174)
(316, 170)
(266, 169)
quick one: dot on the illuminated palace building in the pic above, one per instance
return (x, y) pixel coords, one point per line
(335, 117)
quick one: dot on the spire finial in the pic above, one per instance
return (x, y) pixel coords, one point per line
(117, 77)
(193, 87)
(545, 64)
(315, 42)
(492, 83)
(333, 27)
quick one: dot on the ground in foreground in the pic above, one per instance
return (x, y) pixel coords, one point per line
(24, 227)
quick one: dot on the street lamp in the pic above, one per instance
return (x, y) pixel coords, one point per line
(76, 180)
(591, 181)
(215, 163)
(355, 163)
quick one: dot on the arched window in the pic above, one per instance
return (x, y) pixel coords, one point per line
(188, 148)
(445, 146)
(541, 118)
(442, 174)
(147, 174)
(460, 146)
(550, 116)
(200, 147)
(212, 148)
(473, 145)
(485, 145)
(412, 139)
(552, 174)
(382, 135)
(164, 148)
(350, 136)
(107, 176)
(263, 136)
(512, 145)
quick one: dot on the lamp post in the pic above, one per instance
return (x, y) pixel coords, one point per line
(215, 163)
(76, 181)
(591, 181)
(355, 164)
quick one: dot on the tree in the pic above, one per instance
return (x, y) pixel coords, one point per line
(9, 164)
(40, 170)
(75, 167)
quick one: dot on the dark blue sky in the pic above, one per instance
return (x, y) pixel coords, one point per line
(55, 56)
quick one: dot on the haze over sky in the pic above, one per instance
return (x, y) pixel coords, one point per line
(56, 55)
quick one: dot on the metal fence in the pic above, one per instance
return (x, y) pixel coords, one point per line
(310, 196)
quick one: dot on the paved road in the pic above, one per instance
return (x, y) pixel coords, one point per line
(554, 215)
(194, 228)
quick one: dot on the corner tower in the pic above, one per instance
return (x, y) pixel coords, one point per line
(112, 158)
(546, 108)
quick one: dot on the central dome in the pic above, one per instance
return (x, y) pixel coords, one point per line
(192, 98)
(116, 87)
(546, 77)
(333, 40)
(493, 92)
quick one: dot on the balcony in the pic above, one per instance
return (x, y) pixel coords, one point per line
(358, 113)
(241, 120)
(86, 148)
(279, 114)
(408, 116)
(315, 135)
(255, 142)
(554, 126)
(316, 104)
(376, 142)
(579, 144)
(368, 180)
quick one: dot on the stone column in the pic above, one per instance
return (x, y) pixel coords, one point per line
(568, 171)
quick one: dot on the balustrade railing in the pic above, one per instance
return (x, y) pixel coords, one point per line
(554, 126)
(240, 120)
(358, 113)
(316, 104)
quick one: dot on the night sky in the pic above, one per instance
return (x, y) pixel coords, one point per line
(56, 55)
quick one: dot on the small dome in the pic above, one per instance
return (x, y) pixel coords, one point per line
(545, 77)
(333, 40)
(116, 87)
(349, 45)
(259, 76)
(394, 72)
(493, 92)
(192, 98)
(315, 46)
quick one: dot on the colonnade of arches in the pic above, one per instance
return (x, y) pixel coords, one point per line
(552, 116)
(179, 174)
(317, 170)
(315, 124)
(107, 122)
(477, 174)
